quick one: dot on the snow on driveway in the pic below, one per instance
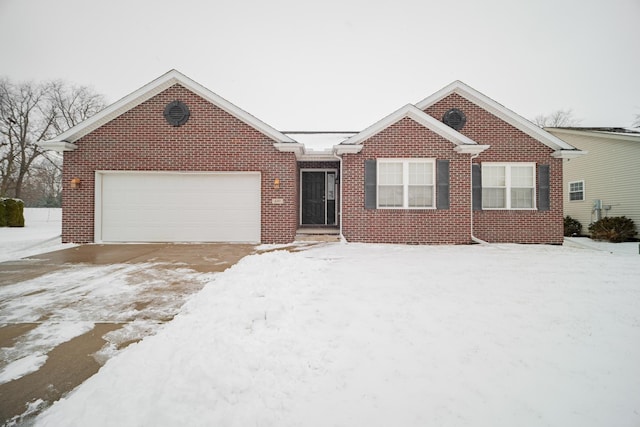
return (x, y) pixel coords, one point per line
(380, 335)
(67, 303)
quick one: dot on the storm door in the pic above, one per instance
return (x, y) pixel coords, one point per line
(318, 194)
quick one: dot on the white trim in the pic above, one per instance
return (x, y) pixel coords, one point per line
(471, 149)
(347, 149)
(155, 87)
(568, 154)
(584, 194)
(498, 110)
(508, 186)
(59, 146)
(418, 116)
(405, 182)
(290, 147)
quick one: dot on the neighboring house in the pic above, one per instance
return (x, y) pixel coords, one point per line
(605, 182)
(174, 162)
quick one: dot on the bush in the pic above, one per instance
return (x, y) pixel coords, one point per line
(613, 229)
(3, 213)
(14, 212)
(572, 227)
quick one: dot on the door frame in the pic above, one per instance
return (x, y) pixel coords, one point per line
(336, 198)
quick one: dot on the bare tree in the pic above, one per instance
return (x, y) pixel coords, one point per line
(557, 119)
(30, 113)
(636, 122)
(43, 187)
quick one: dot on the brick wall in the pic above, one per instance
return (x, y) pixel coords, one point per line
(509, 144)
(212, 140)
(407, 139)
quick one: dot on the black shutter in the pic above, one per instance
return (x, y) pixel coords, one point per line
(370, 184)
(476, 187)
(442, 180)
(544, 196)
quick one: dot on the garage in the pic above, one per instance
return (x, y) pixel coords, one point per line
(177, 207)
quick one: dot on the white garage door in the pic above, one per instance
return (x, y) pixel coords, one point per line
(177, 207)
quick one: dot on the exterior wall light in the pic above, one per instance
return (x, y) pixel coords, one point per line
(276, 183)
(75, 182)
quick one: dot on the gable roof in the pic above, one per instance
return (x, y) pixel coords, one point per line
(65, 141)
(463, 143)
(562, 149)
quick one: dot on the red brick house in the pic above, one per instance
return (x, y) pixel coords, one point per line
(174, 162)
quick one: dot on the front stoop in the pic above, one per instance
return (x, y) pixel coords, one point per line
(320, 234)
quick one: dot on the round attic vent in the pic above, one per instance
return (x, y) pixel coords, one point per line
(454, 118)
(176, 113)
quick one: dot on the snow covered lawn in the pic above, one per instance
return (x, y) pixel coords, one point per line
(387, 335)
(41, 233)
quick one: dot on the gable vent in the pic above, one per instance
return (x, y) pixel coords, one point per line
(176, 113)
(454, 118)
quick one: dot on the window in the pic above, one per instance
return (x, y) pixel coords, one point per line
(576, 191)
(508, 186)
(406, 183)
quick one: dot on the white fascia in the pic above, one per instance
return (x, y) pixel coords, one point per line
(568, 154)
(341, 149)
(59, 146)
(290, 147)
(417, 115)
(497, 110)
(471, 149)
(152, 89)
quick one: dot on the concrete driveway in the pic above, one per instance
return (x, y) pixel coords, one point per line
(110, 295)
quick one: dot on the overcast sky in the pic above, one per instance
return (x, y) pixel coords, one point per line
(343, 64)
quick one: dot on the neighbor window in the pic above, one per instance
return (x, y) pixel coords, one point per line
(406, 183)
(576, 190)
(508, 185)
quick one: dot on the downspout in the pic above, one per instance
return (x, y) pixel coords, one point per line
(339, 158)
(474, 238)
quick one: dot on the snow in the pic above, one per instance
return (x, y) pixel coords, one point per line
(68, 302)
(377, 335)
(320, 141)
(40, 234)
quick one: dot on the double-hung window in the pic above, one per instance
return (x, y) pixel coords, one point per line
(406, 183)
(576, 191)
(508, 185)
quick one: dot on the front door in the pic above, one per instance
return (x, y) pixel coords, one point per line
(318, 198)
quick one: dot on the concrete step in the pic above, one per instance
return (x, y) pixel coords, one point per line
(318, 234)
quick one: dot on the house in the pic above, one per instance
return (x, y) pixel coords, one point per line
(174, 162)
(604, 183)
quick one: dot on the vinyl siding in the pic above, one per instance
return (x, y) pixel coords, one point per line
(611, 173)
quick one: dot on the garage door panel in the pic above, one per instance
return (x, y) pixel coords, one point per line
(160, 207)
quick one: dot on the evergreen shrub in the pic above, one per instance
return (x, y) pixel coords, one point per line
(613, 229)
(14, 212)
(3, 213)
(572, 227)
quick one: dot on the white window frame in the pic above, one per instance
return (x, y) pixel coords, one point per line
(569, 192)
(405, 182)
(508, 186)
